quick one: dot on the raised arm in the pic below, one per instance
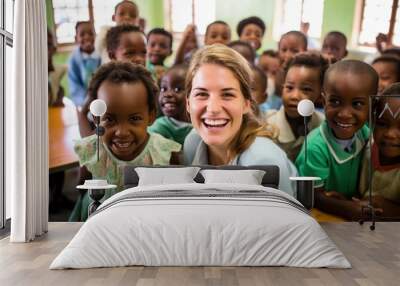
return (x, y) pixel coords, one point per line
(188, 34)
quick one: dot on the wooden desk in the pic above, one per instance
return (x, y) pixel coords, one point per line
(63, 130)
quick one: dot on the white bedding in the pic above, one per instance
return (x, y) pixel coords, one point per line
(239, 228)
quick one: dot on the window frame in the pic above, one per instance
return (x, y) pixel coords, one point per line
(69, 44)
(278, 20)
(6, 39)
(392, 22)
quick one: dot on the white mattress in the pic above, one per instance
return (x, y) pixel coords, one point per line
(182, 230)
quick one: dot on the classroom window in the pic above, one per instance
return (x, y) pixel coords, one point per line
(291, 13)
(379, 17)
(66, 14)
(184, 12)
(101, 18)
(6, 43)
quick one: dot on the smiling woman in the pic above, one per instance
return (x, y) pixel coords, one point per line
(220, 107)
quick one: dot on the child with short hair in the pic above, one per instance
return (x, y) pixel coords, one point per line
(388, 69)
(83, 62)
(159, 47)
(270, 64)
(175, 123)
(385, 154)
(127, 43)
(290, 44)
(251, 30)
(129, 92)
(55, 73)
(245, 49)
(126, 12)
(218, 32)
(304, 76)
(334, 46)
(334, 149)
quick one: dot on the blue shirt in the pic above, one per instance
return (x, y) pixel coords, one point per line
(81, 67)
(262, 151)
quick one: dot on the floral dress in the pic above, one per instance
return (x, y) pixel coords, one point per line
(156, 152)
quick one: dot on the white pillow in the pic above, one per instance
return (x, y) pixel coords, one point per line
(163, 176)
(249, 177)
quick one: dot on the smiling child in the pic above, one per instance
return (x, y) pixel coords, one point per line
(385, 154)
(129, 92)
(175, 124)
(335, 148)
(303, 80)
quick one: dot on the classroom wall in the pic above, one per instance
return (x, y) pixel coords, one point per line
(338, 15)
(232, 12)
(152, 11)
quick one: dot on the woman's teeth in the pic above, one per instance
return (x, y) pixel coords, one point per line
(215, 122)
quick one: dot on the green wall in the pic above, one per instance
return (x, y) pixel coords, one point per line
(152, 11)
(232, 11)
(339, 15)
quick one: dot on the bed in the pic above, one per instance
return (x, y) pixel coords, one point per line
(201, 224)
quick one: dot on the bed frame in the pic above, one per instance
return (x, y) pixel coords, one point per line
(270, 179)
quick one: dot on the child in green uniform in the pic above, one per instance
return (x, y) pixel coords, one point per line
(385, 155)
(129, 93)
(175, 124)
(335, 148)
(303, 80)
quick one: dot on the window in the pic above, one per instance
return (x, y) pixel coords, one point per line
(379, 17)
(291, 13)
(184, 12)
(6, 42)
(101, 18)
(66, 14)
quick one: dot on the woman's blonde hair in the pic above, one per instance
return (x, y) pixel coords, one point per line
(226, 57)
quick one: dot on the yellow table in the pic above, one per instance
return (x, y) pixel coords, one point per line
(324, 217)
(63, 130)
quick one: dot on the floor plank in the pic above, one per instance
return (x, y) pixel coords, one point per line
(374, 255)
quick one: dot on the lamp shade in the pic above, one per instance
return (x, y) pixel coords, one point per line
(98, 107)
(305, 107)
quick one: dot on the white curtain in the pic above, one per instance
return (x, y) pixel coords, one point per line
(26, 124)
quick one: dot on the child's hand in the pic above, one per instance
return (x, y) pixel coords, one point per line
(190, 31)
(377, 203)
(382, 42)
(336, 195)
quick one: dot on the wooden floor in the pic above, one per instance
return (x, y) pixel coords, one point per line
(374, 255)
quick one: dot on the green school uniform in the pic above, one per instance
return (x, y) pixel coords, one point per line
(156, 152)
(338, 169)
(156, 71)
(171, 128)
